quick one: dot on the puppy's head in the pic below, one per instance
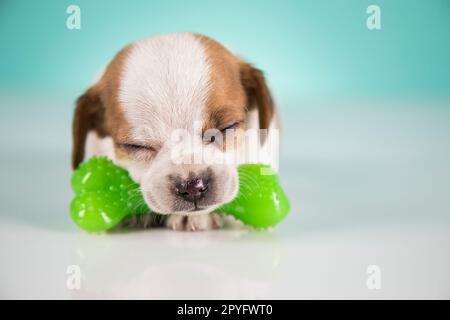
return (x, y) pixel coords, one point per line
(165, 105)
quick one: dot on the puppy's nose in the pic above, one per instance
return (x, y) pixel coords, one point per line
(192, 189)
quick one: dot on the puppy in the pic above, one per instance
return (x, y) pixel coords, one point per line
(173, 110)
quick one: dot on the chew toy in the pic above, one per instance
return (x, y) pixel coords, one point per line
(105, 194)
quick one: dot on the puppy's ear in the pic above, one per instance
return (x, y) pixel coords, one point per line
(88, 116)
(258, 94)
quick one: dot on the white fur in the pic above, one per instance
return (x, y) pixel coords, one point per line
(96, 146)
(164, 85)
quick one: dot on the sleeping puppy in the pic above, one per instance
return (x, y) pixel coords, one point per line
(175, 110)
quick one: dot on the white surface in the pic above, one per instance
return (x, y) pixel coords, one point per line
(226, 264)
(368, 186)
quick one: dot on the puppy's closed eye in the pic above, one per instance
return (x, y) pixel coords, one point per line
(134, 147)
(139, 151)
(234, 125)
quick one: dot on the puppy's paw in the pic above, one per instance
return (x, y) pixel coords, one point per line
(194, 223)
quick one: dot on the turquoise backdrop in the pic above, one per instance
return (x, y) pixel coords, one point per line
(308, 49)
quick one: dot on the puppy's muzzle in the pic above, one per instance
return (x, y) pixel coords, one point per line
(193, 189)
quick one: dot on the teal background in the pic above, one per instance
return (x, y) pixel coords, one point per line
(365, 114)
(308, 49)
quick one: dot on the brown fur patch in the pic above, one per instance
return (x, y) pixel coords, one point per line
(115, 121)
(236, 87)
(258, 94)
(99, 110)
(226, 101)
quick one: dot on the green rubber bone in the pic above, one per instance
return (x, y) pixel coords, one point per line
(105, 194)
